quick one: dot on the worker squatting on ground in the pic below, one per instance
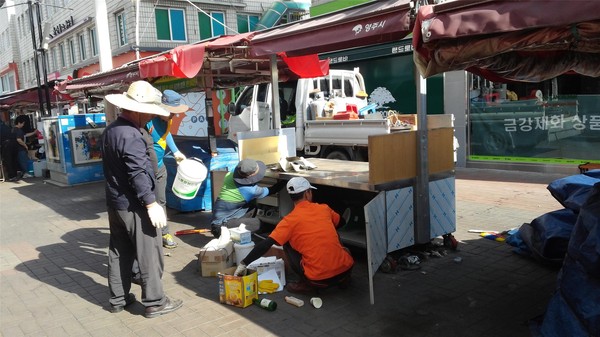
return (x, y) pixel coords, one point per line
(310, 240)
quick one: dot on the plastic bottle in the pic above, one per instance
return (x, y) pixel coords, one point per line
(265, 303)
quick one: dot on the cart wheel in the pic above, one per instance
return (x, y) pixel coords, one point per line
(450, 242)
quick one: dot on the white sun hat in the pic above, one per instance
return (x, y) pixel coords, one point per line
(140, 97)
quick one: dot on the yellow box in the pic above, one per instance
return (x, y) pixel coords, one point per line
(238, 291)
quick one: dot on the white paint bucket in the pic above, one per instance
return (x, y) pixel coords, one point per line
(241, 251)
(191, 172)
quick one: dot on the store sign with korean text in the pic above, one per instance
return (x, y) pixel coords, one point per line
(61, 28)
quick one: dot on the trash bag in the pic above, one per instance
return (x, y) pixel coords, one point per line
(574, 309)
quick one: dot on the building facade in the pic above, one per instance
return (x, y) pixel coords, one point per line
(71, 47)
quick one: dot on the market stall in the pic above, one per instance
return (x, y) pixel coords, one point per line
(72, 147)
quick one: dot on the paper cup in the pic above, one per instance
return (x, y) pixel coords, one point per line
(316, 302)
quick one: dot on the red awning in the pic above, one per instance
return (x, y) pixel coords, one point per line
(526, 40)
(25, 96)
(372, 23)
(186, 61)
(124, 75)
(227, 56)
(182, 61)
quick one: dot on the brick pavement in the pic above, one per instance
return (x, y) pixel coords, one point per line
(53, 244)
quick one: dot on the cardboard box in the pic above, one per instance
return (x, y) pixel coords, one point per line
(238, 291)
(213, 259)
(240, 236)
(264, 264)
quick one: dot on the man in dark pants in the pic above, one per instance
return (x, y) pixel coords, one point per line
(8, 151)
(135, 218)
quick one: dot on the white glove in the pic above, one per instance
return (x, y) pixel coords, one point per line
(179, 156)
(157, 215)
(240, 270)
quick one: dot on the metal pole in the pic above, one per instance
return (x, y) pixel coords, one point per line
(421, 196)
(44, 64)
(35, 57)
(275, 96)
(137, 30)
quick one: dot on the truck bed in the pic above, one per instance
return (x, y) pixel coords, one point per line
(353, 132)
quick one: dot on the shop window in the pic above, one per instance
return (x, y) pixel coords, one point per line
(246, 23)
(553, 122)
(170, 24)
(213, 25)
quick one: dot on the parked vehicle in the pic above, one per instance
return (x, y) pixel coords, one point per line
(310, 105)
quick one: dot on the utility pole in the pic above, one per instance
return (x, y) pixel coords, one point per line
(35, 57)
(42, 50)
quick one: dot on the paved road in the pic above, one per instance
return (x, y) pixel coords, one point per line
(53, 255)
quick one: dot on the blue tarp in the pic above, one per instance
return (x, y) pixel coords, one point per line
(572, 191)
(546, 237)
(574, 309)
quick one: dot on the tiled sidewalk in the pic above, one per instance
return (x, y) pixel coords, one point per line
(53, 243)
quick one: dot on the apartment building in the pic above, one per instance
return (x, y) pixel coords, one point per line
(135, 29)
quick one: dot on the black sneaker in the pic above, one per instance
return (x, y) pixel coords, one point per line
(129, 299)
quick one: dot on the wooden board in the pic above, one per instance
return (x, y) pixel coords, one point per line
(394, 156)
(265, 149)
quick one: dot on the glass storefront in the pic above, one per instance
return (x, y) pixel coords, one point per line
(552, 122)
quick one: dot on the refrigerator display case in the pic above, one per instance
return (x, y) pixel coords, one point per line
(72, 146)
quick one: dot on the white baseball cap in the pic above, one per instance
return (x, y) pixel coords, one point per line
(298, 185)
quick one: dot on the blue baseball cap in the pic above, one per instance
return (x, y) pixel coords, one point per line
(171, 101)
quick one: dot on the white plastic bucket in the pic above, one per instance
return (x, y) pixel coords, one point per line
(241, 251)
(191, 172)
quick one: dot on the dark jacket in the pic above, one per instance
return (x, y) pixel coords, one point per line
(127, 167)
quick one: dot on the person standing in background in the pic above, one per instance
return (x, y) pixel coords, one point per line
(158, 136)
(159, 129)
(134, 216)
(8, 152)
(23, 150)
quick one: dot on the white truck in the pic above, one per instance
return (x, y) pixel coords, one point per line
(309, 105)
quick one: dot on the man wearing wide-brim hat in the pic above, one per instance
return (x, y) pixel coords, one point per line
(134, 216)
(240, 189)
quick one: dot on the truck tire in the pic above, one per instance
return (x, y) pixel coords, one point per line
(496, 143)
(337, 154)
